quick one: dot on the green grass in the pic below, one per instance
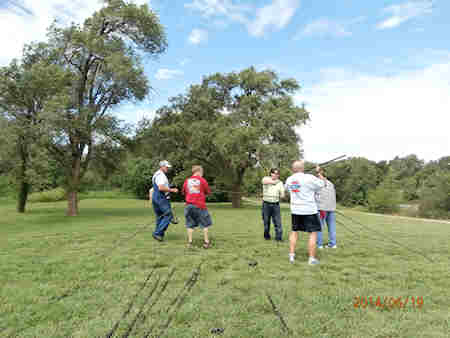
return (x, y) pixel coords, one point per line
(98, 266)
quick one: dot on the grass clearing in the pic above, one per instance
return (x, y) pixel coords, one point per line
(83, 276)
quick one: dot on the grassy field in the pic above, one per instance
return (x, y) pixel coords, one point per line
(101, 274)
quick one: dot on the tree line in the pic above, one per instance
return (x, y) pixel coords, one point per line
(58, 129)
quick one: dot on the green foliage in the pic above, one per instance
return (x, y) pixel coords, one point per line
(139, 177)
(353, 179)
(409, 188)
(386, 197)
(107, 194)
(435, 196)
(54, 195)
(383, 200)
(229, 124)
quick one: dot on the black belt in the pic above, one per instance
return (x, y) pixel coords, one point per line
(271, 202)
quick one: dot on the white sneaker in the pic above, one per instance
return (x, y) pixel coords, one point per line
(291, 259)
(313, 261)
(332, 247)
(320, 247)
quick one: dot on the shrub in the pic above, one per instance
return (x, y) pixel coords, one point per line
(383, 200)
(53, 195)
(435, 196)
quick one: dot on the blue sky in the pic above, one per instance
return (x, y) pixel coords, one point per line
(375, 75)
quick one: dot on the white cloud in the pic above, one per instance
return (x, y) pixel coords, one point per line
(325, 27)
(379, 117)
(197, 36)
(404, 12)
(167, 74)
(275, 15)
(278, 14)
(23, 21)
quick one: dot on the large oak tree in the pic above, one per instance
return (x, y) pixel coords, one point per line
(230, 123)
(103, 57)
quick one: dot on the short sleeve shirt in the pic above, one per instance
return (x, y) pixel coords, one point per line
(302, 188)
(159, 178)
(195, 189)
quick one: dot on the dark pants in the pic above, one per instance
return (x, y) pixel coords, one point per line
(272, 210)
(164, 215)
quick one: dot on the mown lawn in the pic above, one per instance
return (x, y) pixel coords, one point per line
(88, 275)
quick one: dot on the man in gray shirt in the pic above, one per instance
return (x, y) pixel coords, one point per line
(326, 203)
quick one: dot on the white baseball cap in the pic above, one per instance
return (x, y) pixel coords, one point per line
(165, 164)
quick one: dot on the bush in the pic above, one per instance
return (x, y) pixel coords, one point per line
(139, 177)
(383, 200)
(54, 195)
(435, 196)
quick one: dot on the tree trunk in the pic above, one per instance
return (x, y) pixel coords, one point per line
(24, 186)
(74, 184)
(72, 200)
(24, 189)
(236, 195)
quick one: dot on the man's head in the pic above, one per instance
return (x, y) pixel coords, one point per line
(298, 166)
(274, 173)
(164, 166)
(197, 170)
(322, 172)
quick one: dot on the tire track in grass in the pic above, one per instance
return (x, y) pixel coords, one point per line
(149, 296)
(143, 315)
(130, 305)
(172, 309)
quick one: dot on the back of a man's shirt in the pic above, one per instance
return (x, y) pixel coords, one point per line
(302, 188)
(195, 189)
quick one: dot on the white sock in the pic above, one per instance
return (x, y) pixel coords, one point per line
(292, 255)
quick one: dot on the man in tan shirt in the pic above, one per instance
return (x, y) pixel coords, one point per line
(273, 190)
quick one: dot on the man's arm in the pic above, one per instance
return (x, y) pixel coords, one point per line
(207, 188)
(163, 188)
(268, 180)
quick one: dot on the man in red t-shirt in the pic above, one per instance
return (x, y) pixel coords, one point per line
(195, 189)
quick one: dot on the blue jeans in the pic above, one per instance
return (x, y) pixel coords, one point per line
(330, 219)
(272, 211)
(163, 212)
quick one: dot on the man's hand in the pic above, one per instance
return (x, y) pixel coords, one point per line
(319, 173)
(173, 190)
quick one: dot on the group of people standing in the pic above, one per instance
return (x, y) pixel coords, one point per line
(312, 204)
(195, 189)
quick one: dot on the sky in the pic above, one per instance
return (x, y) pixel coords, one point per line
(374, 75)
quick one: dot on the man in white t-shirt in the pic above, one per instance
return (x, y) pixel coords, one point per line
(160, 200)
(302, 188)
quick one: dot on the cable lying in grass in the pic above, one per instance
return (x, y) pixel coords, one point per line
(383, 236)
(278, 314)
(130, 305)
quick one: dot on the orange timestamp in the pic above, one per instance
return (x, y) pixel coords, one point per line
(388, 302)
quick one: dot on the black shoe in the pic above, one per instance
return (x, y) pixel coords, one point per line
(279, 240)
(267, 238)
(158, 238)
